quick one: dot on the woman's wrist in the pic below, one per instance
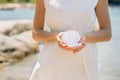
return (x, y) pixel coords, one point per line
(55, 35)
(86, 37)
(83, 39)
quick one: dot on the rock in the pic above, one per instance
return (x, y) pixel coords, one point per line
(18, 54)
(20, 27)
(15, 27)
(29, 6)
(3, 59)
(6, 26)
(26, 38)
(16, 41)
(7, 7)
(9, 46)
(17, 47)
(12, 6)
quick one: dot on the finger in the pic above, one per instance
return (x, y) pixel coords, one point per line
(77, 48)
(64, 46)
(67, 48)
(80, 40)
(59, 35)
(75, 52)
(59, 39)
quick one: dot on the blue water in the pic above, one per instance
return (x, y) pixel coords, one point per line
(29, 13)
(16, 14)
(109, 52)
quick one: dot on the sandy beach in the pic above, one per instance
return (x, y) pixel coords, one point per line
(20, 71)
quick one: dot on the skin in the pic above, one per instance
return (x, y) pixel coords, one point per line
(102, 13)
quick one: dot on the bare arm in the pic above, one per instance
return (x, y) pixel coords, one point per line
(104, 34)
(38, 32)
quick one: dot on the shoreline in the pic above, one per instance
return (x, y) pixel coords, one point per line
(12, 6)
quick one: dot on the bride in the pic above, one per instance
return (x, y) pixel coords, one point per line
(58, 59)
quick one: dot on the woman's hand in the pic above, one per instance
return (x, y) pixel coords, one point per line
(67, 47)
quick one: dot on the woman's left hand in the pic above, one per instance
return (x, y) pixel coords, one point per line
(70, 48)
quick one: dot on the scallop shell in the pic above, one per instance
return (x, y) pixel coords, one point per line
(71, 38)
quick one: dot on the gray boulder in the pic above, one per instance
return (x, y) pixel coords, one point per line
(20, 27)
(15, 27)
(17, 47)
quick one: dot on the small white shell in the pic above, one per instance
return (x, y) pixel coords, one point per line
(71, 38)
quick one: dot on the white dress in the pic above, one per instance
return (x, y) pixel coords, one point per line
(57, 63)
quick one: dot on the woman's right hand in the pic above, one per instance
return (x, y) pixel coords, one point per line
(70, 48)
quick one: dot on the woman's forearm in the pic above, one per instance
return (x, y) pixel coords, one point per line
(43, 36)
(99, 36)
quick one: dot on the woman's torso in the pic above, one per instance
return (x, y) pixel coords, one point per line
(64, 15)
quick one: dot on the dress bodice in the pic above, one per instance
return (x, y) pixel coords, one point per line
(64, 15)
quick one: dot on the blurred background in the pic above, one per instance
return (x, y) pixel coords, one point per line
(19, 52)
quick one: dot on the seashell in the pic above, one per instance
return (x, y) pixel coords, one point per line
(71, 38)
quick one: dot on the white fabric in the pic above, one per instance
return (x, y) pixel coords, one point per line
(57, 63)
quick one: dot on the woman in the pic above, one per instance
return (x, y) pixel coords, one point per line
(58, 62)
